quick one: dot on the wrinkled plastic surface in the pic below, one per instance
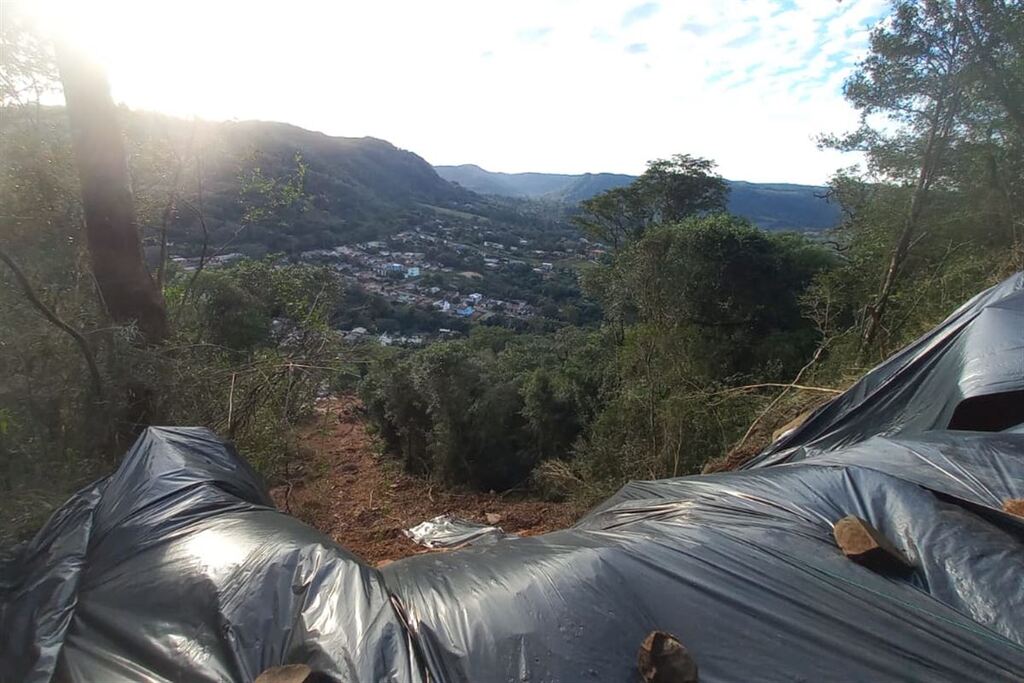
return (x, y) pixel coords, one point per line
(976, 351)
(177, 567)
(446, 531)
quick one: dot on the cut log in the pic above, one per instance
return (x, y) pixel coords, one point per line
(1015, 506)
(290, 673)
(867, 546)
(791, 425)
(663, 659)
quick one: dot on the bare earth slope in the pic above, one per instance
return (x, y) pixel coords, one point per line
(363, 501)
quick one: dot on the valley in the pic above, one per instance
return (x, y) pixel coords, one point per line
(433, 250)
(285, 399)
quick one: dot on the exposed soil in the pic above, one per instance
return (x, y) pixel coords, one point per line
(789, 414)
(363, 500)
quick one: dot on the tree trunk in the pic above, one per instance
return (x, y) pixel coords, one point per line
(875, 310)
(115, 250)
(938, 133)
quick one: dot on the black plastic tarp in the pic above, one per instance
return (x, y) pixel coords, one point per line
(977, 352)
(178, 568)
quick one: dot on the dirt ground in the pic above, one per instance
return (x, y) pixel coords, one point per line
(362, 500)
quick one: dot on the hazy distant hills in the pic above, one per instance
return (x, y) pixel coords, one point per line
(563, 187)
(364, 188)
(347, 177)
(773, 206)
(782, 206)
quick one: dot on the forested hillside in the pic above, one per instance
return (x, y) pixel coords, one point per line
(783, 206)
(352, 188)
(653, 332)
(715, 334)
(773, 206)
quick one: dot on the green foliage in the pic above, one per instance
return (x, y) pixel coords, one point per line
(227, 367)
(250, 350)
(255, 349)
(702, 305)
(942, 127)
(486, 410)
(615, 216)
(689, 308)
(232, 315)
(959, 257)
(680, 187)
(277, 199)
(726, 289)
(53, 423)
(668, 191)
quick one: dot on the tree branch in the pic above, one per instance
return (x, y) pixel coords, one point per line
(198, 210)
(206, 244)
(801, 387)
(168, 212)
(165, 219)
(791, 385)
(55, 320)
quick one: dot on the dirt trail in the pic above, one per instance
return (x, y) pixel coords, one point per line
(363, 501)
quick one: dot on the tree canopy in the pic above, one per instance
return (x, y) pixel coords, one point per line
(668, 191)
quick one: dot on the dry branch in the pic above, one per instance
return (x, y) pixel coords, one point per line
(56, 321)
(787, 387)
(801, 387)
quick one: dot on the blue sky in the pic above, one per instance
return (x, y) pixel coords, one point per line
(539, 85)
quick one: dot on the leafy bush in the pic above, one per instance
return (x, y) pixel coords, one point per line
(486, 410)
(691, 309)
(250, 352)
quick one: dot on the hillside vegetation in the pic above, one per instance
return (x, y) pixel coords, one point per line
(676, 333)
(715, 334)
(354, 188)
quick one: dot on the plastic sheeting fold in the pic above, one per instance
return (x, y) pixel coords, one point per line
(446, 531)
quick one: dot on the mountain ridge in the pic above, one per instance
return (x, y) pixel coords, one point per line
(361, 188)
(772, 206)
(355, 188)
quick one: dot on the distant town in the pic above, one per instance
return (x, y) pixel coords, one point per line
(439, 267)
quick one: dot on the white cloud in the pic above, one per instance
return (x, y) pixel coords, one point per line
(640, 13)
(542, 85)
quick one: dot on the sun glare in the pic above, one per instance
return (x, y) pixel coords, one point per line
(514, 86)
(91, 26)
(169, 56)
